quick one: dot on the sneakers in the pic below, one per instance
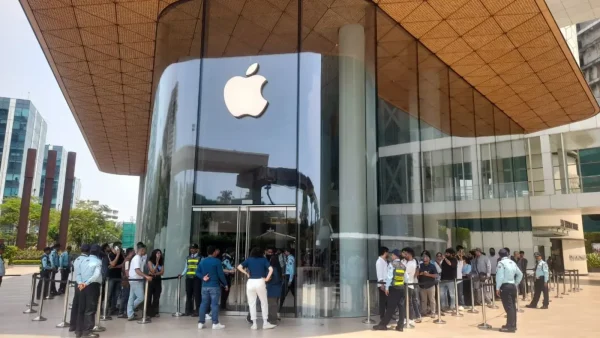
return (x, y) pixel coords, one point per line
(218, 326)
(207, 317)
(268, 326)
(254, 327)
(411, 323)
(201, 326)
(460, 308)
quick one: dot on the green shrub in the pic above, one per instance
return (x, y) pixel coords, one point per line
(9, 253)
(593, 260)
(28, 254)
(26, 262)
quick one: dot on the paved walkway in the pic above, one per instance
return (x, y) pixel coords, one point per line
(575, 315)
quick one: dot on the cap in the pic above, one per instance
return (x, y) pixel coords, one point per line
(95, 249)
(85, 248)
(194, 246)
(503, 253)
(537, 254)
(396, 252)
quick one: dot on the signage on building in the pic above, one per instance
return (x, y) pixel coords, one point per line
(575, 258)
(243, 95)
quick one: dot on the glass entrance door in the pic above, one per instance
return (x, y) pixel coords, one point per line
(235, 231)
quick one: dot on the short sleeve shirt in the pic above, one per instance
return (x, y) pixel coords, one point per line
(136, 263)
(257, 266)
(115, 272)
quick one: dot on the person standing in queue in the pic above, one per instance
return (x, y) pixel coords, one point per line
(522, 263)
(64, 264)
(156, 269)
(88, 283)
(55, 264)
(541, 282)
(229, 270)
(115, 265)
(193, 285)
(85, 251)
(259, 271)
(211, 272)
(427, 276)
(45, 273)
(508, 276)
(129, 253)
(136, 282)
(394, 288)
(289, 278)
(381, 266)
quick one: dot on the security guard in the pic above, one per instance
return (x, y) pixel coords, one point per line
(45, 273)
(508, 276)
(89, 280)
(85, 251)
(394, 289)
(65, 269)
(193, 285)
(55, 264)
(541, 282)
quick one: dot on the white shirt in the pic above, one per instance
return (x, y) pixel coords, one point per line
(381, 266)
(494, 263)
(411, 268)
(136, 263)
(459, 267)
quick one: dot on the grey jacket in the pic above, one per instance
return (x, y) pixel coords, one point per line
(481, 265)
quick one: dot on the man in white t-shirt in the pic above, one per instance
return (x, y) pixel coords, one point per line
(411, 271)
(381, 266)
(136, 286)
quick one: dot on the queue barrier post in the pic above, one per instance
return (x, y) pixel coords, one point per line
(578, 285)
(47, 286)
(178, 313)
(74, 285)
(564, 285)
(64, 322)
(98, 327)
(41, 318)
(368, 320)
(145, 319)
(484, 325)
(31, 302)
(407, 307)
(105, 316)
(456, 312)
(491, 288)
(519, 309)
(570, 272)
(557, 285)
(439, 319)
(472, 309)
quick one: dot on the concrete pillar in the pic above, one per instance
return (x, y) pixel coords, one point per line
(547, 168)
(352, 169)
(26, 198)
(66, 202)
(562, 167)
(48, 182)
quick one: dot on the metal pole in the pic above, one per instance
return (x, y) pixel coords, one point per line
(439, 319)
(40, 318)
(64, 322)
(48, 295)
(578, 285)
(519, 310)
(407, 303)
(178, 313)
(472, 309)
(484, 325)
(146, 320)
(456, 313)
(556, 284)
(570, 272)
(564, 286)
(491, 286)
(531, 286)
(368, 320)
(71, 282)
(105, 315)
(97, 327)
(31, 302)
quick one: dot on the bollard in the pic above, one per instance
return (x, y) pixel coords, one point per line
(366, 321)
(578, 285)
(178, 313)
(64, 322)
(472, 309)
(31, 302)
(105, 315)
(97, 327)
(48, 294)
(41, 318)
(145, 320)
(484, 325)
(519, 310)
(491, 286)
(564, 286)
(557, 286)
(570, 280)
(457, 313)
(407, 303)
(439, 319)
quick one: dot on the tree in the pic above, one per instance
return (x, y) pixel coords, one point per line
(10, 210)
(88, 224)
(225, 197)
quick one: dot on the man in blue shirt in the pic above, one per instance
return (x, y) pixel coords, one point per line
(45, 273)
(289, 280)
(88, 279)
(541, 282)
(508, 276)
(55, 264)
(64, 264)
(85, 251)
(211, 271)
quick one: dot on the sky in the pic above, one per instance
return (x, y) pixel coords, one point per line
(25, 74)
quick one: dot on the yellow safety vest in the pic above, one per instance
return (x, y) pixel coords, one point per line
(192, 265)
(399, 270)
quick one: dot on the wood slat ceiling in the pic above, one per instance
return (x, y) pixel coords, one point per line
(103, 53)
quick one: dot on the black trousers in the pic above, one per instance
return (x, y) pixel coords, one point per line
(539, 287)
(86, 309)
(225, 293)
(154, 291)
(44, 274)
(53, 290)
(74, 309)
(285, 289)
(193, 288)
(382, 303)
(395, 300)
(508, 294)
(64, 276)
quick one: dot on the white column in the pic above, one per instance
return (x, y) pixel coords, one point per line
(352, 169)
(6, 149)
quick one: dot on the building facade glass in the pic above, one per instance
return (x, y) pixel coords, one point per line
(367, 140)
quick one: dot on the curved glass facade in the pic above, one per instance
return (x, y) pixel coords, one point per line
(368, 139)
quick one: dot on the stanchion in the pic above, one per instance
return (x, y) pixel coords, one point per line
(491, 287)
(146, 320)
(519, 310)
(31, 302)
(484, 325)
(71, 282)
(178, 313)
(439, 319)
(564, 285)
(578, 285)
(98, 327)
(570, 280)
(472, 309)
(557, 285)
(41, 318)
(366, 321)
(407, 303)
(456, 312)
(44, 285)
(105, 315)
(64, 322)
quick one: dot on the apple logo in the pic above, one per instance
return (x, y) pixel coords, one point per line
(243, 95)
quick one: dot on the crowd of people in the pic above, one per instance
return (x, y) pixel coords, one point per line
(400, 275)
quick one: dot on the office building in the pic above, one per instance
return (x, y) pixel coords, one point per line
(333, 127)
(76, 196)
(58, 186)
(21, 127)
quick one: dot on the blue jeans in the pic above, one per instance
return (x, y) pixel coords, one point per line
(124, 300)
(445, 289)
(212, 295)
(136, 296)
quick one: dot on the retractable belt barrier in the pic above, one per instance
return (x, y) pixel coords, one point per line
(485, 325)
(368, 320)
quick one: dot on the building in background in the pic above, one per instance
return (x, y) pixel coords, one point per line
(128, 234)
(110, 214)
(58, 186)
(76, 196)
(588, 38)
(21, 127)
